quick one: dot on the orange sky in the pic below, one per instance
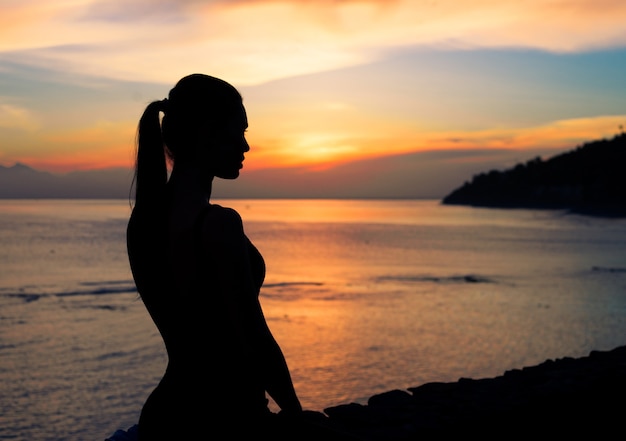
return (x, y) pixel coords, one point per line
(324, 82)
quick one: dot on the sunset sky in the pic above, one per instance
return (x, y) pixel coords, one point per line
(338, 92)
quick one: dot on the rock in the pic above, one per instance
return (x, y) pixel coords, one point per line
(563, 397)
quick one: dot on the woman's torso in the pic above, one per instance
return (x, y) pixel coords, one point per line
(205, 361)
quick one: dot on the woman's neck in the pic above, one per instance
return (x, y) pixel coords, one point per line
(189, 185)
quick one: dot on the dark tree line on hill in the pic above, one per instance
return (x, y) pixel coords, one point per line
(590, 179)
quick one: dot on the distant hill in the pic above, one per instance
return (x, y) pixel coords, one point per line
(590, 179)
(416, 175)
(22, 182)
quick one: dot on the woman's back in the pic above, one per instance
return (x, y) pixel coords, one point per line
(211, 373)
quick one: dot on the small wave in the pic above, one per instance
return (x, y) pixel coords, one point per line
(32, 293)
(283, 284)
(99, 291)
(291, 291)
(26, 297)
(468, 278)
(108, 282)
(111, 355)
(109, 308)
(602, 269)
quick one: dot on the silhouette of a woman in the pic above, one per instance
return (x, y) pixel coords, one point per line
(198, 274)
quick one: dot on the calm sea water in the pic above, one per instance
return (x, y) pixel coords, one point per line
(363, 296)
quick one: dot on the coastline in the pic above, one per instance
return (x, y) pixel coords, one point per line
(564, 396)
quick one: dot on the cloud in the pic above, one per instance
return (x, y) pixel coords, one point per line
(137, 11)
(251, 42)
(15, 117)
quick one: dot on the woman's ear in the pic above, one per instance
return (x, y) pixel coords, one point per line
(205, 149)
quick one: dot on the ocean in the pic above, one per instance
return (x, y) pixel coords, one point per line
(364, 296)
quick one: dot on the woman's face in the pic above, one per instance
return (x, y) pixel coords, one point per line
(229, 145)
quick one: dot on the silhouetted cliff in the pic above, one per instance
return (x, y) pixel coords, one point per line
(590, 179)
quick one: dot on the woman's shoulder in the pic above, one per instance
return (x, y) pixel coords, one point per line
(219, 213)
(220, 223)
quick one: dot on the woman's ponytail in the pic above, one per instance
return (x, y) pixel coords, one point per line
(150, 164)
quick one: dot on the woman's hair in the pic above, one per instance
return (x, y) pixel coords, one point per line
(196, 102)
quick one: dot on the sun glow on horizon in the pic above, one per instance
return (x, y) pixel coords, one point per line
(102, 146)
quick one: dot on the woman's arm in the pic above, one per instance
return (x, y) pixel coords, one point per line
(278, 382)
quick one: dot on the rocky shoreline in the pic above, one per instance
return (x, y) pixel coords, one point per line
(566, 396)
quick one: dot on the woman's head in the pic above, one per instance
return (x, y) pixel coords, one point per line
(198, 106)
(203, 123)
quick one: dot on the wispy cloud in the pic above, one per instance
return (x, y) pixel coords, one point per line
(256, 41)
(135, 12)
(16, 117)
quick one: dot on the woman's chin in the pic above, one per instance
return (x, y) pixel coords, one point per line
(230, 175)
